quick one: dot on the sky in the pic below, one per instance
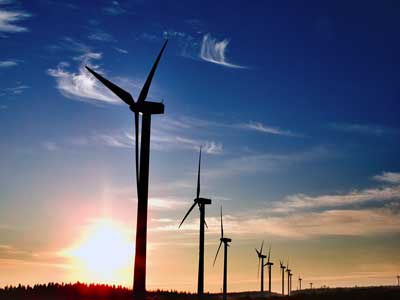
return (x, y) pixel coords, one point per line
(296, 104)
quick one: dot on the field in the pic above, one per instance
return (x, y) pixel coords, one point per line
(79, 291)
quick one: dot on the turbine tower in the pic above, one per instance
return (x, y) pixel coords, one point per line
(290, 284)
(300, 279)
(146, 108)
(310, 285)
(225, 241)
(398, 280)
(261, 258)
(269, 264)
(283, 276)
(288, 278)
(201, 203)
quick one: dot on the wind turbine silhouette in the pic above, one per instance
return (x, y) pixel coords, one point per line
(201, 202)
(261, 258)
(398, 280)
(311, 285)
(224, 240)
(146, 108)
(290, 283)
(269, 264)
(283, 276)
(288, 278)
(300, 279)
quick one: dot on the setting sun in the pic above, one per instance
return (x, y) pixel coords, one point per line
(104, 252)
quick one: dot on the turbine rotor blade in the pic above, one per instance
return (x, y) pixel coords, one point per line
(219, 247)
(269, 253)
(262, 245)
(198, 177)
(222, 226)
(258, 253)
(190, 209)
(146, 86)
(121, 93)
(205, 223)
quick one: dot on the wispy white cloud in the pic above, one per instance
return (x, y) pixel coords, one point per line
(8, 63)
(388, 177)
(8, 18)
(255, 163)
(362, 128)
(16, 90)
(81, 85)
(301, 201)
(258, 126)
(114, 9)
(120, 50)
(214, 51)
(101, 36)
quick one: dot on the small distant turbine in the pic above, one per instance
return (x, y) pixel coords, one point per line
(269, 264)
(311, 285)
(225, 241)
(201, 203)
(283, 276)
(300, 279)
(288, 278)
(261, 258)
(290, 282)
(398, 280)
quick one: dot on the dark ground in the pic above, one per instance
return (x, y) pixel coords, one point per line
(79, 291)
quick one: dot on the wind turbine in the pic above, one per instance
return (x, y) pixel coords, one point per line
(201, 203)
(269, 264)
(224, 240)
(288, 278)
(146, 109)
(283, 276)
(300, 279)
(290, 284)
(310, 285)
(261, 258)
(398, 280)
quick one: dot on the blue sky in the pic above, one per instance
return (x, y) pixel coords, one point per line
(296, 105)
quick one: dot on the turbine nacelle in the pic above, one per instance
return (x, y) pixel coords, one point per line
(147, 107)
(225, 240)
(202, 201)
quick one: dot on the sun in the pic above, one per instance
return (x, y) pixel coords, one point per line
(104, 253)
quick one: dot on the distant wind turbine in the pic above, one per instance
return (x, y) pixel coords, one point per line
(261, 258)
(225, 241)
(201, 203)
(288, 278)
(146, 109)
(300, 279)
(311, 285)
(269, 264)
(283, 276)
(398, 280)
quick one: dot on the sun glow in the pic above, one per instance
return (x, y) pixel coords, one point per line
(103, 254)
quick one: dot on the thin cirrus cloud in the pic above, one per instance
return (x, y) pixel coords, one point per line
(8, 63)
(362, 128)
(302, 217)
(214, 51)
(9, 18)
(81, 85)
(385, 194)
(259, 127)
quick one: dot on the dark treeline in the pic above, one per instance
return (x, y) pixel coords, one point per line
(78, 291)
(83, 291)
